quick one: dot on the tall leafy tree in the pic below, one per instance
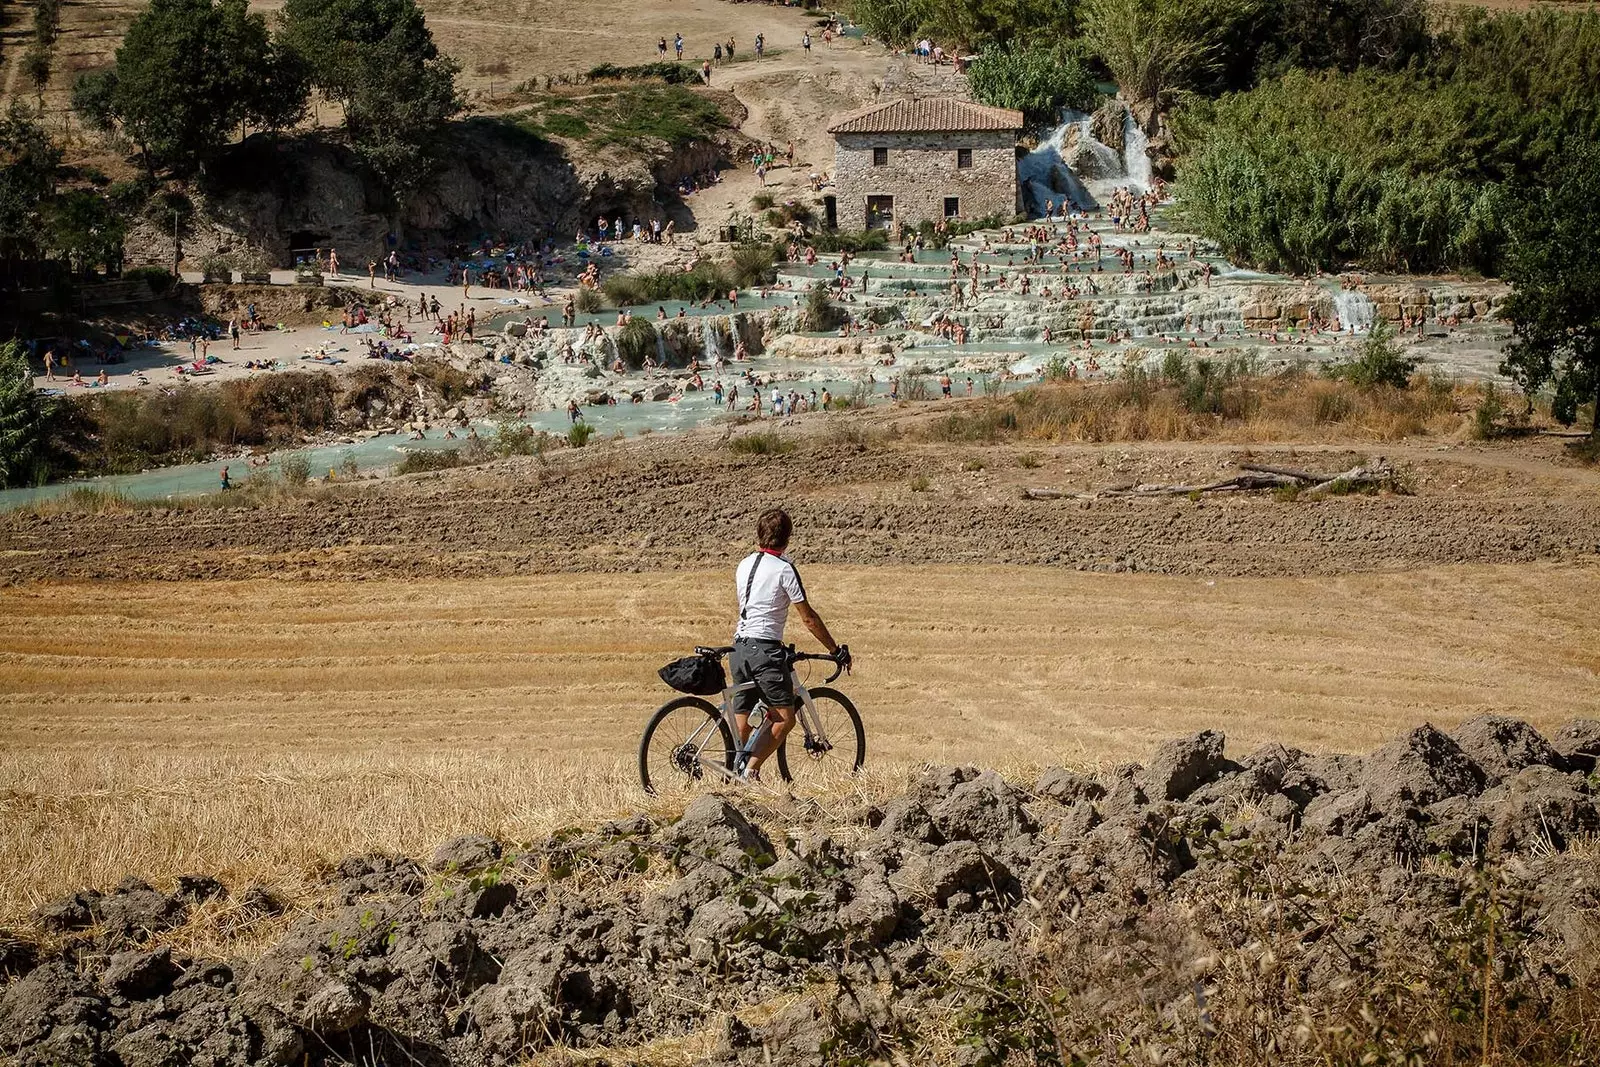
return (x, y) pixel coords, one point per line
(24, 419)
(378, 60)
(28, 165)
(84, 230)
(1554, 306)
(189, 73)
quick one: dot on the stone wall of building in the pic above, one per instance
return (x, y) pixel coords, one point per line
(922, 172)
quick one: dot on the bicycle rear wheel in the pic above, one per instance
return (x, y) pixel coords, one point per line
(682, 737)
(831, 763)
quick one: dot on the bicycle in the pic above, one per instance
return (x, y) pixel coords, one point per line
(708, 730)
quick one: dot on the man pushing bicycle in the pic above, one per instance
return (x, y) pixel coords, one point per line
(767, 584)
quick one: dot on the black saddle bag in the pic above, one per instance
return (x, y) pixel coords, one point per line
(699, 675)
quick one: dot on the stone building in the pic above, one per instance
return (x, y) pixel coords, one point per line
(910, 161)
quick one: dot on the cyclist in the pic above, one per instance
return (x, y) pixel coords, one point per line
(767, 584)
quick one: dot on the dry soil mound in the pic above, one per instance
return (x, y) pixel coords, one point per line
(1285, 908)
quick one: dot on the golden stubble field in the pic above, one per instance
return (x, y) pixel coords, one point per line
(254, 730)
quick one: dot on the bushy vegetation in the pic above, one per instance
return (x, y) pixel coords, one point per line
(1414, 169)
(967, 24)
(1194, 400)
(846, 241)
(670, 73)
(421, 460)
(160, 279)
(1038, 80)
(671, 113)
(24, 422)
(708, 280)
(636, 341)
(766, 443)
(821, 313)
(123, 432)
(1379, 362)
(1554, 307)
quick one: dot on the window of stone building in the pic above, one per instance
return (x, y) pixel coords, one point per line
(963, 158)
(880, 157)
(952, 207)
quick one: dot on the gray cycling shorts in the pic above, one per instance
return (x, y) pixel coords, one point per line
(761, 662)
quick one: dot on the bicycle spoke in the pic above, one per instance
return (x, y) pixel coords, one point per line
(685, 748)
(827, 762)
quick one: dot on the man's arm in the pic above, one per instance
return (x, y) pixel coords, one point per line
(814, 623)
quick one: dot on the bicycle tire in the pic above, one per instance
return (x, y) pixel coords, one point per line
(691, 776)
(837, 765)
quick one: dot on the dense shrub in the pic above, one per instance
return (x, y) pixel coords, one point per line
(121, 432)
(760, 444)
(1410, 170)
(846, 241)
(1380, 361)
(429, 460)
(821, 314)
(159, 279)
(707, 280)
(753, 265)
(967, 23)
(671, 73)
(636, 341)
(1038, 81)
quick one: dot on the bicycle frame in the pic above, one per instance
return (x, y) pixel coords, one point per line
(805, 713)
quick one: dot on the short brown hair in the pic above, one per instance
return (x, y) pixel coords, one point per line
(773, 529)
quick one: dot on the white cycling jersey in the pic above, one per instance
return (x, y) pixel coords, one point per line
(775, 585)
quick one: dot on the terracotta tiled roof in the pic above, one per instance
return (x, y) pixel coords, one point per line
(934, 115)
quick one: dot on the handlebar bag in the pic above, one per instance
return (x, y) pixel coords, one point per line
(699, 675)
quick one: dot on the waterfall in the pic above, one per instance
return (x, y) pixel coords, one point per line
(711, 337)
(1355, 309)
(1039, 171)
(1135, 160)
(1097, 170)
(661, 349)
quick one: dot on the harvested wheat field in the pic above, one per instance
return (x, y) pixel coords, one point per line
(254, 729)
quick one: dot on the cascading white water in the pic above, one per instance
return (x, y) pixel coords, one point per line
(1041, 170)
(1135, 160)
(1047, 178)
(1355, 309)
(708, 338)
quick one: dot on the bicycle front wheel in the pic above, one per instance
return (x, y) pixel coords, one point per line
(682, 738)
(831, 760)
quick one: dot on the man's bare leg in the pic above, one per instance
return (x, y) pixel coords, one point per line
(782, 720)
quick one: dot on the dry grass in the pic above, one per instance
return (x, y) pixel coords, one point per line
(258, 730)
(1290, 406)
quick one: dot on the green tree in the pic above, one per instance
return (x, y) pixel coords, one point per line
(1554, 306)
(1156, 47)
(191, 72)
(1038, 81)
(83, 229)
(24, 420)
(28, 164)
(378, 60)
(94, 96)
